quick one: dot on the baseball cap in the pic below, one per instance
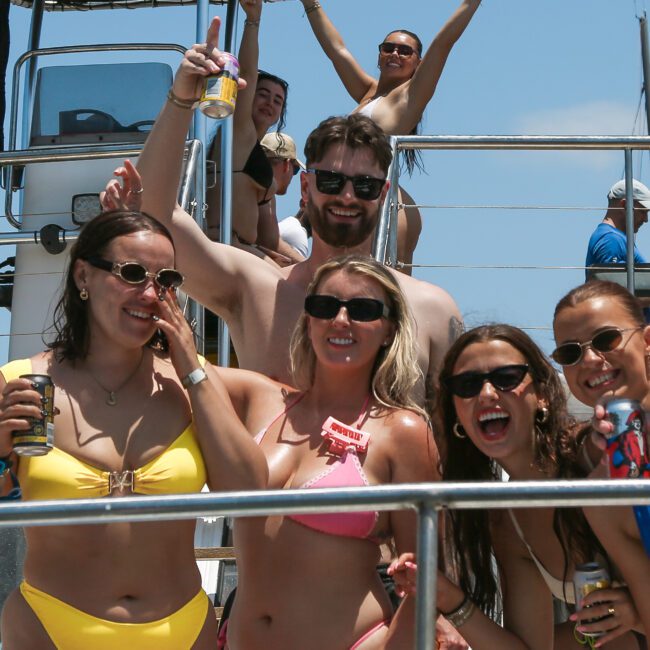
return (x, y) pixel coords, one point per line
(640, 192)
(281, 145)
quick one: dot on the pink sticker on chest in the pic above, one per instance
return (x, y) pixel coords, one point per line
(343, 437)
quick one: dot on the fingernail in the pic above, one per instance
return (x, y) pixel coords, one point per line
(155, 318)
(411, 565)
(44, 400)
(44, 413)
(34, 385)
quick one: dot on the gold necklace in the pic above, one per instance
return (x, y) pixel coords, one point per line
(111, 399)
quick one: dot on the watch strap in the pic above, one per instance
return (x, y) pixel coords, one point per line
(193, 378)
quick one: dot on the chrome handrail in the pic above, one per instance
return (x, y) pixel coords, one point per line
(427, 498)
(384, 247)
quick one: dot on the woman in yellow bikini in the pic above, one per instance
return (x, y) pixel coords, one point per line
(133, 419)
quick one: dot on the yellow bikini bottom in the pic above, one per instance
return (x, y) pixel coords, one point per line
(71, 629)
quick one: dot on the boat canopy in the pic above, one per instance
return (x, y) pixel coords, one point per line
(92, 5)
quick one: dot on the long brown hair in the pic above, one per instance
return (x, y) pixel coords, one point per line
(70, 315)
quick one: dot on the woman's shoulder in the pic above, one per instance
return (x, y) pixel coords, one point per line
(38, 364)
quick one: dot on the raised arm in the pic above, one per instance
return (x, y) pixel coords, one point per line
(248, 56)
(232, 458)
(357, 82)
(424, 81)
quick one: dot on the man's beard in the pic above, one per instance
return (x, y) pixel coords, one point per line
(340, 235)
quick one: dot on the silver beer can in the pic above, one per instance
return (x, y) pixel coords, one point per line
(589, 577)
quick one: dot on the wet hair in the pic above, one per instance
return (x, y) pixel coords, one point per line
(261, 75)
(354, 131)
(72, 337)
(411, 158)
(602, 289)
(555, 454)
(396, 370)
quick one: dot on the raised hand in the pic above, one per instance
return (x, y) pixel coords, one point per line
(126, 195)
(252, 9)
(199, 62)
(171, 321)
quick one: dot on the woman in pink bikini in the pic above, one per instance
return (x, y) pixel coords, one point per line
(396, 101)
(310, 581)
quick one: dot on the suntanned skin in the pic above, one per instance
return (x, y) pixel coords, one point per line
(261, 304)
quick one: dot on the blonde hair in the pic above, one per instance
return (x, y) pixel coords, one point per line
(396, 370)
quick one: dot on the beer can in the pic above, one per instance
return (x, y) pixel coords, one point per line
(220, 92)
(38, 440)
(627, 447)
(589, 577)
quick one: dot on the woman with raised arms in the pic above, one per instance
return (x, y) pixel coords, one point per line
(397, 99)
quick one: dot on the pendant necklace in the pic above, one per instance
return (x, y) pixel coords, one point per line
(111, 397)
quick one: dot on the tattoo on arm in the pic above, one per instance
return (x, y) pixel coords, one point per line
(456, 328)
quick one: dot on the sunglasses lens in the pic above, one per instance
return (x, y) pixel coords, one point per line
(329, 182)
(322, 306)
(508, 377)
(404, 50)
(607, 340)
(365, 309)
(133, 273)
(367, 188)
(169, 278)
(567, 354)
(467, 384)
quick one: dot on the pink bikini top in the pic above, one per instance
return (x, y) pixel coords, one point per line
(345, 471)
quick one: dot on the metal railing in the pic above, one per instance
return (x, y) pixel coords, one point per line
(426, 498)
(385, 242)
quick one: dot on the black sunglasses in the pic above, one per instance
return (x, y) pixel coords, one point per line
(469, 384)
(134, 273)
(607, 340)
(366, 188)
(360, 309)
(402, 49)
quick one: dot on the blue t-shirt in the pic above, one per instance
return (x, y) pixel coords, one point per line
(607, 245)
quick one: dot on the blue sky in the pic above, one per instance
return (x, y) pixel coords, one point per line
(523, 67)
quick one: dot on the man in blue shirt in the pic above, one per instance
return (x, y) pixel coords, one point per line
(607, 244)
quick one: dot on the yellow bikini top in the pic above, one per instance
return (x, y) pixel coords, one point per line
(59, 475)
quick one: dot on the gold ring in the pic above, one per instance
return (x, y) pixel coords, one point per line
(611, 611)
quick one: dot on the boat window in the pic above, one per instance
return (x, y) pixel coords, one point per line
(88, 104)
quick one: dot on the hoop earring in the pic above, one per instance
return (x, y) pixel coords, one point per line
(83, 294)
(541, 416)
(458, 430)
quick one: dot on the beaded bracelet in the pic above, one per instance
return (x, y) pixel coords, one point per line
(461, 614)
(187, 104)
(316, 5)
(252, 23)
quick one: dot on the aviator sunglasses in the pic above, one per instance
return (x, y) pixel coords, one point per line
(402, 49)
(504, 378)
(359, 309)
(134, 273)
(366, 188)
(607, 340)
